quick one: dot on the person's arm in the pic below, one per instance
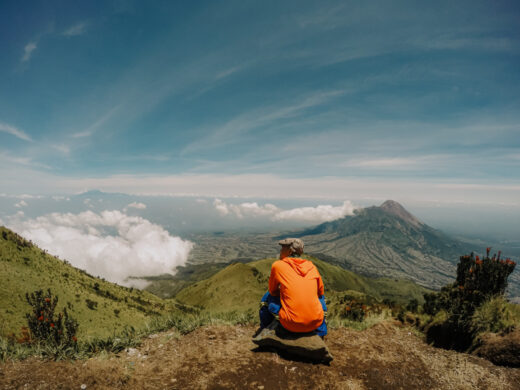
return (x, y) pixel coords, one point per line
(321, 287)
(274, 284)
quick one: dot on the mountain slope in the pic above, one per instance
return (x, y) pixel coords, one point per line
(240, 286)
(386, 356)
(100, 307)
(387, 241)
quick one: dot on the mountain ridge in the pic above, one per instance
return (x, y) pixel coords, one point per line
(387, 240)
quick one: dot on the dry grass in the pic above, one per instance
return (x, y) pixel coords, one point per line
(386, 356)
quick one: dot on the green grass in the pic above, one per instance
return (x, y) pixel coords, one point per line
(496, 315)
(128, 338)
(335, 322)
(101, 308)
(240, 286)
(112, 317)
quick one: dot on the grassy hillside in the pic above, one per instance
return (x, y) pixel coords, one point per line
(240, 286)
(101, 308)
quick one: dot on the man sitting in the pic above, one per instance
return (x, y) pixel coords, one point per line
(296, 292)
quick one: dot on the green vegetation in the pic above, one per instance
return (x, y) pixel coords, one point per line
(93, 302)
(177, 325)
(45, 325)
(240, 286)
(496, 315)
(167, 286)
(473, 304)
(110, 317)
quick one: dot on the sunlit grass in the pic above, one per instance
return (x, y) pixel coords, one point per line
(130, 337)
(368, 322)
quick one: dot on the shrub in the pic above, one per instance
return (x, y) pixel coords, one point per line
(495, 315)
(413, 305)
(45, 325)
(355, 310)
(92, 305)
(478, 281)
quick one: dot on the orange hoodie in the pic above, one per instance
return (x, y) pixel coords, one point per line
(299, 284)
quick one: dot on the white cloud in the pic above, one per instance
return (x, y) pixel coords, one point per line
(247, 209)
(383, 163)
(28, 49)
(77, 29)
(20, 204)
(111, 244)
(263, 186)
(321, 213)
(59, 198)
(14, 131)
(137, 205)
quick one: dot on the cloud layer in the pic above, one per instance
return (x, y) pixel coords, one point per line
(111, 244)
(321, 213)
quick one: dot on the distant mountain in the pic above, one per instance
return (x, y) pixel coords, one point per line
(240, 286)
(376, 241)
(101, 308)
(388, 241)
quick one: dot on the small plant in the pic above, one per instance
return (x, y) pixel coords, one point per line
(92, 305)
(355, 311)
(44, 325)
(413, 305)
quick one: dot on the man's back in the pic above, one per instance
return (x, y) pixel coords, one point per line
(299, 285)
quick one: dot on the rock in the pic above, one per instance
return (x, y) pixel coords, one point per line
(501, 349)
(306, 345)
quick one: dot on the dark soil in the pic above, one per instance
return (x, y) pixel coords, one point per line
(386, 356)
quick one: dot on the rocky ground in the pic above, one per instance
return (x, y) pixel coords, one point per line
(386, 356)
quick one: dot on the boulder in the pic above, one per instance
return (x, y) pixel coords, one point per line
(305, 345)
(501, 349)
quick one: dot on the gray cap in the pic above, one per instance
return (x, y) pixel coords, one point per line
(295, 243)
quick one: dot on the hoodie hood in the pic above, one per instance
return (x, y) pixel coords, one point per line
(301, 266)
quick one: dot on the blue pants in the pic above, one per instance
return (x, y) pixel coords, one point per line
(273, 306)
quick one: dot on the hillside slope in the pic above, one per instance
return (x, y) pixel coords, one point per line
(101, 308)
(386, 356)
(375, 241)
(388, 241)
(240, 286)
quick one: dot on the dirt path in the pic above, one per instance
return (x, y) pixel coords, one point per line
(386, 356)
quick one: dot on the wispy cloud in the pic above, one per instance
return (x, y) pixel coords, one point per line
(28, 50)
(63, 148)
(244, 123)
(7, 158)
(97, 124)
(16, 160)
(399, 163)
(135, 205)
(14, 131)
(475, 42)
(21, 204)
(77, 29)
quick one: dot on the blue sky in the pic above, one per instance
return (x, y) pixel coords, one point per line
(416, 101)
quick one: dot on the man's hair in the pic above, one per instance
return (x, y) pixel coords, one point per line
(295, 244)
